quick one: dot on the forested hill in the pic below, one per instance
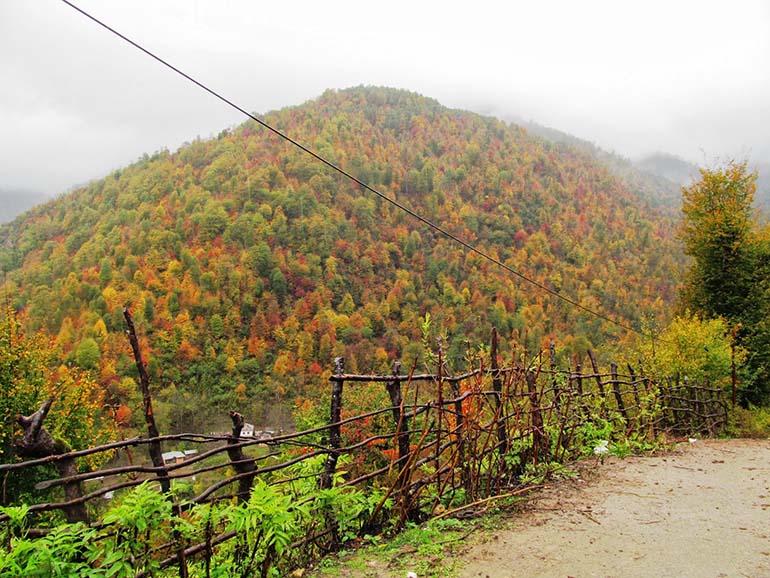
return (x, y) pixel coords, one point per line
(248, 265)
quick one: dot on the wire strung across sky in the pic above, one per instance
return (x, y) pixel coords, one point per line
(424, 220)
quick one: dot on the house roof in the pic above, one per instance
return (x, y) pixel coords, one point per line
(168, 456)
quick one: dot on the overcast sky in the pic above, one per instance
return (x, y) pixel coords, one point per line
(687, 77)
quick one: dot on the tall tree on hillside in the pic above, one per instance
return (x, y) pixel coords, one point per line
(717, 231)
(726, 277)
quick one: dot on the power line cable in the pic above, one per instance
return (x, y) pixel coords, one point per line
(424, 220)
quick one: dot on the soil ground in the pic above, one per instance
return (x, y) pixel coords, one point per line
(700, 511)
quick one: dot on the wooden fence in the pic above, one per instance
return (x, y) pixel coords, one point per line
(438, 444)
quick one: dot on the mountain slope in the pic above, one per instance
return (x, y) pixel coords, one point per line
(249, 265)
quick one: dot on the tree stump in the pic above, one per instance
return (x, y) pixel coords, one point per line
(37, 442)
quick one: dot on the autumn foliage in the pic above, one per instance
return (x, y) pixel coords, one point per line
(28, 376)
(249, 266)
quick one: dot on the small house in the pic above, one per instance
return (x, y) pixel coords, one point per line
(170, 458)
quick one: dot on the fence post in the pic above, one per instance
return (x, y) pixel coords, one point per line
(685, 392)
(672, 395)
(733, 367)
(652, 418)
(440, 416)
(595, 368)
(634, 388)
(335, 442)
(335, 437)
(696, 408)
(460, 434)
(156, 453)
(706, 403)
(497, 387)
(539, 436)
(399, 419)
(616, 391)
(578, 378)
(723, 405)
(238, 458)
(554, 381)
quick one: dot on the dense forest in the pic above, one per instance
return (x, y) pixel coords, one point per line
(248, 265)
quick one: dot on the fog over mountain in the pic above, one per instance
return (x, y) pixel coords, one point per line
(689, 78)
(15, 202)
(669, 166)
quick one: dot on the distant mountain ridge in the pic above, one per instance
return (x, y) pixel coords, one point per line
(249, 266)
(642, 178)
(13, 202)
(683, 173)
(763, 185)
(658, 176)
(669, 166)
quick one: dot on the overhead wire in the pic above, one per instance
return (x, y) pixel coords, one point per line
(438, 228)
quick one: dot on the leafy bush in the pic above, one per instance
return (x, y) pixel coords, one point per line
(700, 349)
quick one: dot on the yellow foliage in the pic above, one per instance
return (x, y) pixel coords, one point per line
(112, 298)
(100, 329)
(63, 341)
(699, 349)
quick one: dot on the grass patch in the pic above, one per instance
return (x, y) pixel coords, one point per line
(427, 550)
(430, 550)
(752, 422)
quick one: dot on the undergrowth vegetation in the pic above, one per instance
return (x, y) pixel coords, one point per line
(143, 521)
(750, 422)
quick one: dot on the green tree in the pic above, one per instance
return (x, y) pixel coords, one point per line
(717, 231)
(731, 261)
(217, 326)
(87, 354)
(279, 284)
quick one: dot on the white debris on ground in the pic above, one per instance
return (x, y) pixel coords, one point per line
(601, 448)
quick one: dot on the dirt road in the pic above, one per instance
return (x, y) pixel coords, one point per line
(700, 512)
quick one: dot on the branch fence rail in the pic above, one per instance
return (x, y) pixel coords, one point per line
(439, 445)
